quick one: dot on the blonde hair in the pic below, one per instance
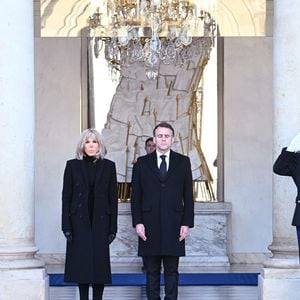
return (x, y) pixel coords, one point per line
(85, 135)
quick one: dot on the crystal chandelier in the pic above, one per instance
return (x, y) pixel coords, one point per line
(152, 31)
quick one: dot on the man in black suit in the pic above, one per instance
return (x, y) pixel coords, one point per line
(162, 210)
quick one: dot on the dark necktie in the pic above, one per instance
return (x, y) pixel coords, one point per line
(163, 166)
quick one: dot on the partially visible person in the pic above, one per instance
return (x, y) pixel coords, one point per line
(288, 164)
(149, 145)
(89, 215)
(215, 163)
(162, 210)
(149, 148)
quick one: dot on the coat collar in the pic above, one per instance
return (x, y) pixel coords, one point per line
(152, 163)
(99, 171)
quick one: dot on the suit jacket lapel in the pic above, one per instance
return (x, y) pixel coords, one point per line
(173, 159)
(152, 163)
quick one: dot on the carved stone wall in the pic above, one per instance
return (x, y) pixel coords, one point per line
(139, 104)
(206, 244)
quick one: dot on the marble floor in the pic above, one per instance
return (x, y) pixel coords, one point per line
(185, 292)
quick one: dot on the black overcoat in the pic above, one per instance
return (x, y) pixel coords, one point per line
(288, 164)
(87, 257)
(162, 205)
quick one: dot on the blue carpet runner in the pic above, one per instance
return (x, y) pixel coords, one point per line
(184, 279)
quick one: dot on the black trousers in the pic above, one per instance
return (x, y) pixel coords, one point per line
(84, 291)
(298, 239)
(170, 264)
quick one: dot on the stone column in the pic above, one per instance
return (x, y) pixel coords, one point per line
(280, 278)
(21, 276)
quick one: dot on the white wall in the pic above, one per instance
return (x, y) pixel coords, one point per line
(248, 144)
(57, 128)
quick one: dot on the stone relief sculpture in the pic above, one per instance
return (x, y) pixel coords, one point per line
(139, 104)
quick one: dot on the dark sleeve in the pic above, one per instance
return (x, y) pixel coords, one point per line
(285, 164)
(113, 198)
(136, 195)
(188, 217)
(67, 192)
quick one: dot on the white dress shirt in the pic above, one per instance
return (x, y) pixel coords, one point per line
(167, 154)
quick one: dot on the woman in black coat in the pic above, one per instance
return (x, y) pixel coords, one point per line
(288, 164)
(89, 215)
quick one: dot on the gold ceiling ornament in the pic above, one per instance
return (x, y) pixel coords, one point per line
(152, 31)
